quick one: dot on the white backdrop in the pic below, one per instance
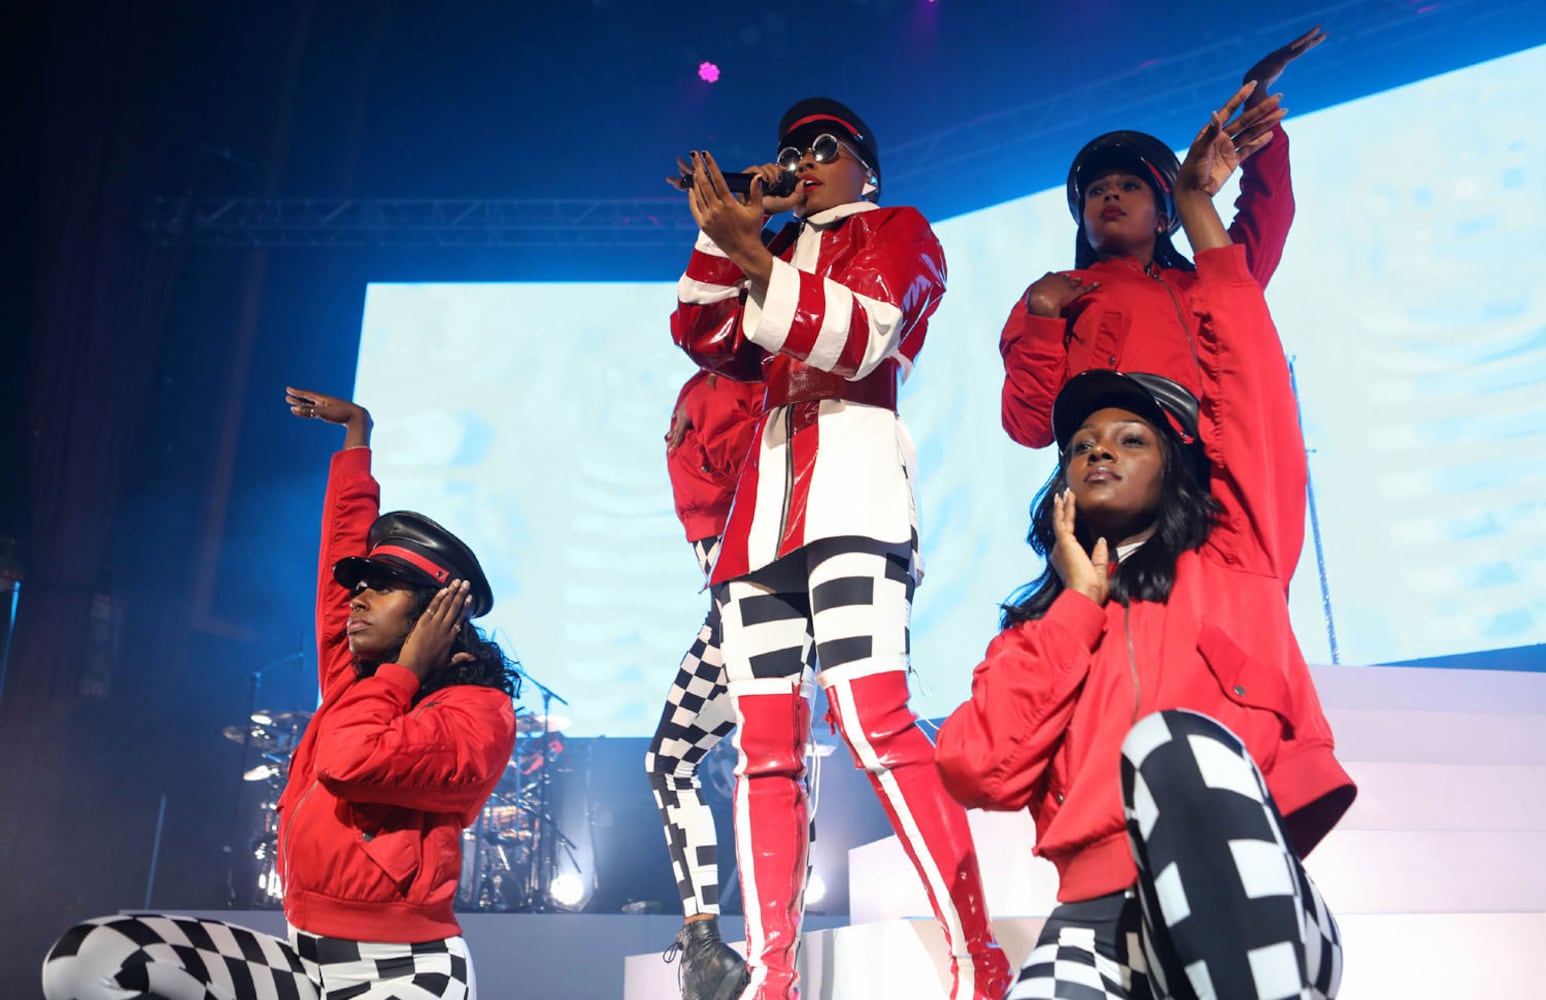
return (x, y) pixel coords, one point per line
(528, 417)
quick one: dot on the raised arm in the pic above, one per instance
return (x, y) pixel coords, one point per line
(1264, 211)
(351, 505)
(1217, 150)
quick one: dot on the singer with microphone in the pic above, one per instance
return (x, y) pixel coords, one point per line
(821, 547)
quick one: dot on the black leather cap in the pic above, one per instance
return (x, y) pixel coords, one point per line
(414, 548)
(1166, 404)
(807, 119)
(1136, 153)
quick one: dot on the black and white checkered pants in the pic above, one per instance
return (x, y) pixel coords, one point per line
(1222, 906)
(851, 598)
(696, 716)
(140, 955)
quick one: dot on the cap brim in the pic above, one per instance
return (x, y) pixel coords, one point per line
(350, 570)
(1095, 390)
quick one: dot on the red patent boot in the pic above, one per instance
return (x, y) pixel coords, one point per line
(881, 731)
(772, 828)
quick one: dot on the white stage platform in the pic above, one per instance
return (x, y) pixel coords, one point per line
(1435, 874)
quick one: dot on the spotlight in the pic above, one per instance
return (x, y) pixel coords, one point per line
(566, 889)
(815, 890)
(708, 72)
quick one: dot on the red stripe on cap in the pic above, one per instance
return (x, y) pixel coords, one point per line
(825, 118)
(437, 573)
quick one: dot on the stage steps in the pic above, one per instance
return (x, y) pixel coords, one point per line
(1433, 874)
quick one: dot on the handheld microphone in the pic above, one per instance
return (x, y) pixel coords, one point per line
(741, 183)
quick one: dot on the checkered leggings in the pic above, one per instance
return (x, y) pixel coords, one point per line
(1222, 907)
(696, 716)
(140, 955)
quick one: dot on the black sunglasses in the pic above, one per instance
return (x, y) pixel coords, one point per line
(825, 149)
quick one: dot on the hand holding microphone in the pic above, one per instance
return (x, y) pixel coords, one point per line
(780, 187)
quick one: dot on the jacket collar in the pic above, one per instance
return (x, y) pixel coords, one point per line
(838, 213)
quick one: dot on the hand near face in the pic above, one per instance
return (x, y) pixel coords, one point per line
(1222, 145)
(771, 173)
(428, 646)
(1052, 293)
(731, 223)
(1085, 572)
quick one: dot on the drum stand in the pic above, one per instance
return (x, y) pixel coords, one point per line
(546, 835)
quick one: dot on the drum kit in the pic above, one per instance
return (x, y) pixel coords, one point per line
(508, 854)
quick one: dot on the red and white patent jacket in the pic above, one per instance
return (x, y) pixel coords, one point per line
(721, 420)
(380, 788)
(1138, 320)
(844, 317)
(1054, 698)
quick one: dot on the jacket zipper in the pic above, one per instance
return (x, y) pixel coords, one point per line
(1181, 318)
(783, 518)
(291, 824)
(1132, 659)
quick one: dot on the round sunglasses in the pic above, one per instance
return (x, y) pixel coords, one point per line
(825, 149)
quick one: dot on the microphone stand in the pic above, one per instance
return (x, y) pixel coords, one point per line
(540, 873)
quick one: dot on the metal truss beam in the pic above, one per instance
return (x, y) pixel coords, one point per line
(417, 222)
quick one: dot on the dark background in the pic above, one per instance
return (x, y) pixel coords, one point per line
(157, 502)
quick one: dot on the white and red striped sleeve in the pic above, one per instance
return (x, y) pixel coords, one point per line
(708, 317)
(849, 322)
(710, 276)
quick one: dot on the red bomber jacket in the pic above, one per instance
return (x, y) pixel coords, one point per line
(380, 788)
(722, 417)
(1053, 698)
(1137, 320)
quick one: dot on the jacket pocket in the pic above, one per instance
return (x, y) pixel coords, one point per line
(1096, 339)
(396, 852)
(1244, 681)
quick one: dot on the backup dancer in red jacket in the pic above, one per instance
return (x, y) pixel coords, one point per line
(414, 731)
(1147, 700)
(1127, 304)
(712, 426)
(821, 546)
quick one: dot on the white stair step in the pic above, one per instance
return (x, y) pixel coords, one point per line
(1439, 737)
(1358, 870)
(1462, 955)
(1430, 689)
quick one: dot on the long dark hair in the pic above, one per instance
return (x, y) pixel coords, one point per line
(489, 666)
(1182, 522)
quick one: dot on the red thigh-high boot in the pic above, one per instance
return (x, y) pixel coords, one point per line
(882, 732)
(772, 827)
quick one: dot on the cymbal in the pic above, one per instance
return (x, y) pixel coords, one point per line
(281, 720)
(259, 738)
(530, 723)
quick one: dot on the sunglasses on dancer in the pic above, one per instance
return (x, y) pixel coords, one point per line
(825, 149)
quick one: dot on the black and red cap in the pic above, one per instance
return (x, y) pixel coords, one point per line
(807, 119)
(1136, 153)
(416, 550)
(1165, 403)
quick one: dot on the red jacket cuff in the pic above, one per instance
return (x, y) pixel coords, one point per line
(400, 680)
(350, 462)
(1079, 616)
